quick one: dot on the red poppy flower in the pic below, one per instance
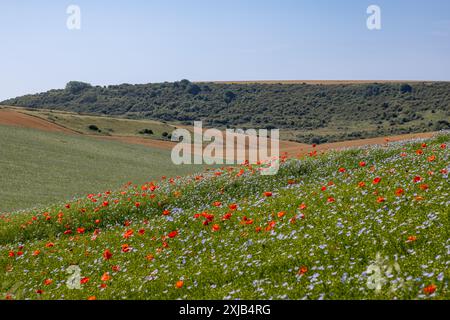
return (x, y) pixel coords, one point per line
(48, 282)
(80, 230)
(423, 186)
(115, 268)
(141, 232)
(270, 225)
(36, 253)
(303, 270)
(381, 199)
(233, 206)
(128, 234)
(411, 239)
(173, 234)
(105, 277)
(376, 180)
(342, 170)
(125, 248)
(216, 227)
(417, 179)
(11, 254)
(208, 217)
(430, 289)
(226, 216)
(107, 254)
(331, 200)
(281, 214)
(267, 194)
(179, 284)
(248, 221)
(166, 212)
(84, 280)
(302, 206)
(217, 204)
(399, 192)
(362, 164)
(49, 245)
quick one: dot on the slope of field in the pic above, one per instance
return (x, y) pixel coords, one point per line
(13, 117)
(368, 223)
(39, 167)
(310, 113)
(77, 123)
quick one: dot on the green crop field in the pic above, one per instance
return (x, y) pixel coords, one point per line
(368, 223)
(38, 167)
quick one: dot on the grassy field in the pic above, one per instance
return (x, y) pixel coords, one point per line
(106, 125)
(369, 223)
(38, 167)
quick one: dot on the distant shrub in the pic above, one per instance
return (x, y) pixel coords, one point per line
(194, 89)
(442, 125)
(93, 127)
(229, 96)
(75, 87)
(405, 88)
(146, 131)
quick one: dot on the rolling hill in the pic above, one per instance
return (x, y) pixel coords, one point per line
(305, 112)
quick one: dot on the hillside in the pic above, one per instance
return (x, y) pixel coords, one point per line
(41, 165)
(319, 229)
(309, 113)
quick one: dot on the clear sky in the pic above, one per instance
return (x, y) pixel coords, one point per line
(166, 40)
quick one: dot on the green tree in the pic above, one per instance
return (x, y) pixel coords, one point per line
(75, 87)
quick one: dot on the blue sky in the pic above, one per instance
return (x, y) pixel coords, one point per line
(166, 40)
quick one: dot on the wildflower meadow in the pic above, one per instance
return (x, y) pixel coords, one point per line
(363, 223)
